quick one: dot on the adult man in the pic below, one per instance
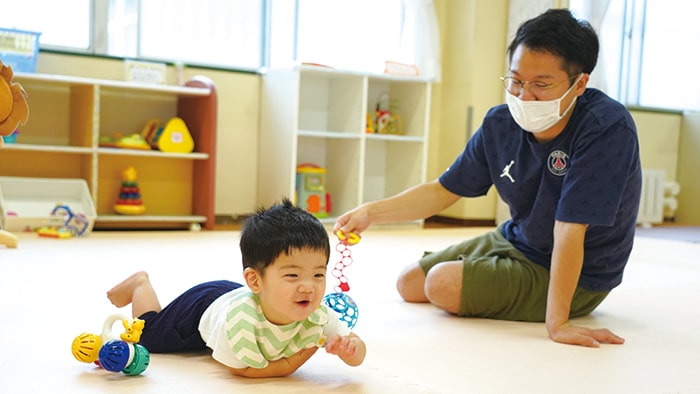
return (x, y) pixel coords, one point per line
(565, 158)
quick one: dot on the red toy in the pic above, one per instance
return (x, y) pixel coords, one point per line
(340, 301)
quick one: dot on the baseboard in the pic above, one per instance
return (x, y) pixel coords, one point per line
(444, 221)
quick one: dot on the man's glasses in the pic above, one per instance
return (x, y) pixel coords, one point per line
(514, 86)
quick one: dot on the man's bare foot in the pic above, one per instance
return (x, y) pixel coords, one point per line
(123, 293)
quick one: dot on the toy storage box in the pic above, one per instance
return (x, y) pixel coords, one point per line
(26, 203)
(19, 49)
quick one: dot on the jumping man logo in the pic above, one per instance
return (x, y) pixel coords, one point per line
(558, 162)
(506, 171)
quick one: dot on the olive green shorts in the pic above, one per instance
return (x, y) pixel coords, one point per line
(499, 282)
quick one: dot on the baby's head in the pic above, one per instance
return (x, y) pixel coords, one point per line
(285, 256)
(278, 230)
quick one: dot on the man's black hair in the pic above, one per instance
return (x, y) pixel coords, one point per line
(558, 32)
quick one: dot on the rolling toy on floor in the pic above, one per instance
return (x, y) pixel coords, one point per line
(114, 355)
(63, 224)
(340, 301)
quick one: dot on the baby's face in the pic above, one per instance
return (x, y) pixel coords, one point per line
(293, 286)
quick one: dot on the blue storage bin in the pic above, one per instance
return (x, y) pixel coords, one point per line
(19, 49)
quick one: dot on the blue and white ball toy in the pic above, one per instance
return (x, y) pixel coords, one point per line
(344, 305)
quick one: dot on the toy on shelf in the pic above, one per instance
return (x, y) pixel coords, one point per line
(63, 224)
(173, 137)
(114, 355)
(129, 201)
(369, 124)
(386, 121)
(132, 141)
(14, 109)
(311, 190)
(340, 301)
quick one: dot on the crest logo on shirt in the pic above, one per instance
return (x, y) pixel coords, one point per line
(558, 162)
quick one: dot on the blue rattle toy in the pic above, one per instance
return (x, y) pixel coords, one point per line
(114, 355)
(340, 301)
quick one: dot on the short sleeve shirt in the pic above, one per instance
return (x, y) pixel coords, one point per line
(240, 336)
(589, 174)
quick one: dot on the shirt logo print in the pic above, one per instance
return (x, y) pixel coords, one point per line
(506, 171)
(558, 162)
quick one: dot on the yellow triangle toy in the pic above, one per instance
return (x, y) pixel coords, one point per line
(175, 137)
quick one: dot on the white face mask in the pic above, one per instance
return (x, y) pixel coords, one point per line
(537, 116)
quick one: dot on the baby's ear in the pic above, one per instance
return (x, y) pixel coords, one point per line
(252, 279)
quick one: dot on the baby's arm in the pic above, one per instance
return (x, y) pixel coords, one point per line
(277, 368)
(351, 349)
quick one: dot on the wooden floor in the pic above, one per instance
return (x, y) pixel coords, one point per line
(53, 290)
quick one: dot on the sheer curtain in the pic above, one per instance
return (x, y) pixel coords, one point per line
(226, 33)
(424, 37)
(594, 11)
(361, 35)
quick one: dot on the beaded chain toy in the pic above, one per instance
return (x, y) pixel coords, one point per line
(340, 301)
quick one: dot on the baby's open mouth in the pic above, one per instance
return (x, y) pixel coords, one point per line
(304, 302)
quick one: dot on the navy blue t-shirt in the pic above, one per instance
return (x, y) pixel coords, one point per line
(589, 174)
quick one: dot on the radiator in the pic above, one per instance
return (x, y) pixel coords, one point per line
(651, 206)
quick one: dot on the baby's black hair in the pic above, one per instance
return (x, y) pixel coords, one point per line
(282, 228)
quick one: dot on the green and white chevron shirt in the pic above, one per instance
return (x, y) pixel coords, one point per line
(240, 336)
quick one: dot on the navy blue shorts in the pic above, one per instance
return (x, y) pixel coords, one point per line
(176, 327)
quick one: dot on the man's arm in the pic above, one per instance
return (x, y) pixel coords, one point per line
(417, 202)
(277, 368)
(567, 261)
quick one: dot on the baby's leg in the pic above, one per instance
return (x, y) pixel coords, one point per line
(137, 291)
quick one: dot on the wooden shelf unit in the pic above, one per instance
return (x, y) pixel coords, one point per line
(68, 115)
(317, 115)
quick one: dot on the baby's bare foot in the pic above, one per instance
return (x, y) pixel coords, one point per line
(123, 293)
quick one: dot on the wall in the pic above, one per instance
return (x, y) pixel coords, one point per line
(671, 141)
(659, 134)
(688, 165)
(238, 119)
(472, 34)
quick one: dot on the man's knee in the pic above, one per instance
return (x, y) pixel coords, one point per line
(443, 286)
(411, 283)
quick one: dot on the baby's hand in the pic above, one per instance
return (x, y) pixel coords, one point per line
(344, 347)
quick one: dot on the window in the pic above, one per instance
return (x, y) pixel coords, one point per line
(362, 34)
(63, 23)
(353, 35)
(224, 33)
(214, 32)
(647, 50)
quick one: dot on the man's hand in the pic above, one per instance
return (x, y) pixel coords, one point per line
(573, 335)
(354, 221)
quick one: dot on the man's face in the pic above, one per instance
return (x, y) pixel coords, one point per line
(541, 74)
